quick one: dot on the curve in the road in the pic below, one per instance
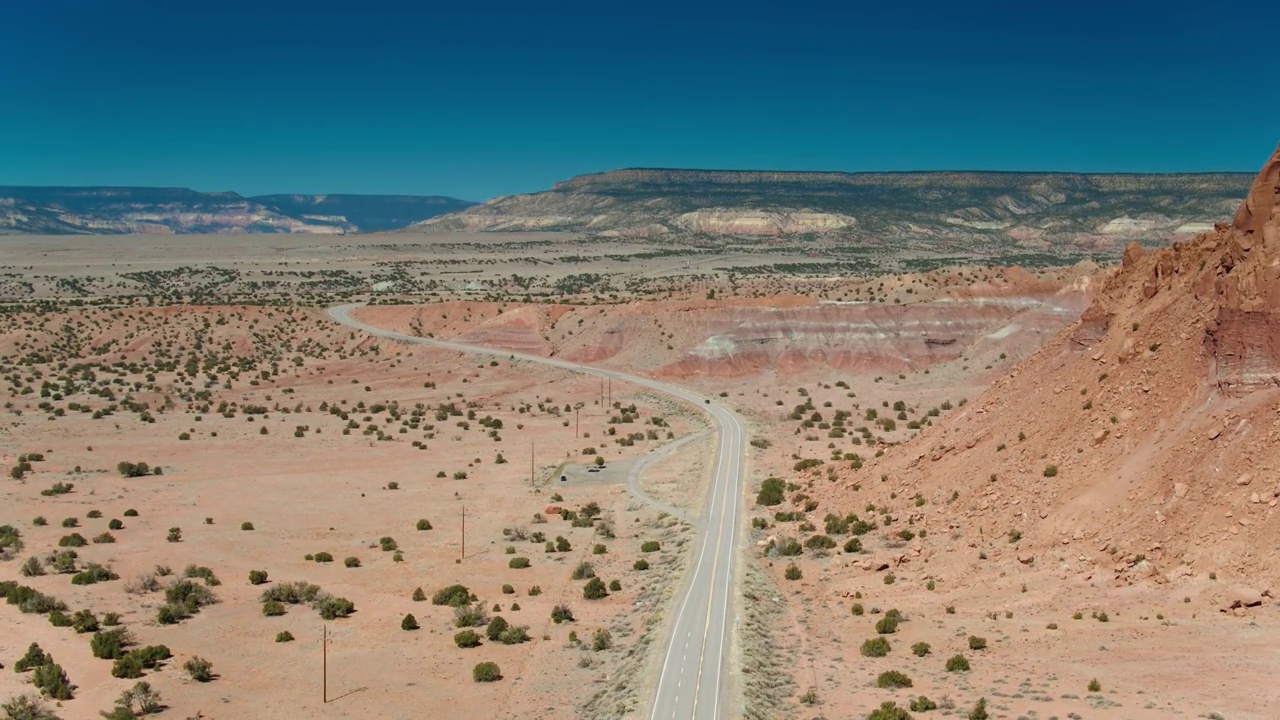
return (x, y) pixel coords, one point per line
(690, 682)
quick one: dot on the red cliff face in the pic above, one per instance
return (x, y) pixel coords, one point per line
(1245, 333)
(1259, 207)
(1157, 412)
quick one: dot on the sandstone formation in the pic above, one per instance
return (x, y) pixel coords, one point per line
(1149, 429)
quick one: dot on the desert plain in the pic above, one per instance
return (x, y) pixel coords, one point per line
(966, 497)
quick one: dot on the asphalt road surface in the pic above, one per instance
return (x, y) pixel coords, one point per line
(691, 682)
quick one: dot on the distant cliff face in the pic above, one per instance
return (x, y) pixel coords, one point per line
(53, 210)
(1028, 208)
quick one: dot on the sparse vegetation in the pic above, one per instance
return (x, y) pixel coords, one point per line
(893, 679)
(875, 647)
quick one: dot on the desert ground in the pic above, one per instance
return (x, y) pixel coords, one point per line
(902, 513)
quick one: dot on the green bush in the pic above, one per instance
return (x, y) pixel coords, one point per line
(199, 669)
(583, 571)
(423, 524)
(469, 616)
(83, 621)
(257, 577)
(273, 608)
(772, 492)
(419, 595)
(189, 596)
(453, 596)
(601, 640)
(887, 625)
(857, 609)
(109, 645)
(466, 639)
(322, 557)
(640, 564)
(496, 627)
(920, 649)
(32, 567)
(486, 672)
(131, 513)
(246, 526)
(561, 614)
(51, 680)
(957, 663)
(72, 540)
(893, 679)
(352, 562)
(595, 589)
(132, 470)
(793, 572)
(819, 542)
(170, 615)
(977, 643)
(650, 546)
(202, 572)
(875, 647)
(34, 658)
(1050, 471)
(889, 711)
(518, 563)
(333, 608)
(26, 707)
(923, 704)
(115, 524)
(92, 574)
(979, 711)
(284, 636)
(126, 667)
(409, 622)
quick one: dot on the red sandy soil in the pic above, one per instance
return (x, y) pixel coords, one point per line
(324, 491)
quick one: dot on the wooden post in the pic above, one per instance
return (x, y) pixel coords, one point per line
(325, 664)
(464, 532)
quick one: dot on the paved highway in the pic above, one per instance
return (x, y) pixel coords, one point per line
(691, 682)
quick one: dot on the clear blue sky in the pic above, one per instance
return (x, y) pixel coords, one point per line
(476, 99)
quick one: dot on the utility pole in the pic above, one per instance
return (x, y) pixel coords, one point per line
(325, 664)
(464, 532)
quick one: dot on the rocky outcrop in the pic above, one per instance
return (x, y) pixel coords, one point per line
(1142, 441)
(1245, 332)
(726, 221)
(1259, 207)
